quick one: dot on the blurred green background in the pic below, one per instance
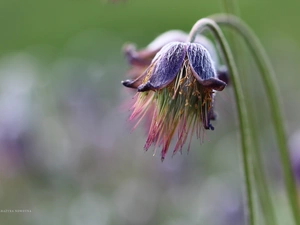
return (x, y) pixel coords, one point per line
(66, 151)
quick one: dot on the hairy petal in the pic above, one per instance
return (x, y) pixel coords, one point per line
(166, 65)
(209, 46)
(202, 67)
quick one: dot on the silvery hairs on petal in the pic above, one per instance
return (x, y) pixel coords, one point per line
(166, 65)
(208, 44)
(203, 67)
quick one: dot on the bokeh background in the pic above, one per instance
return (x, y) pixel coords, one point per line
(67, 153)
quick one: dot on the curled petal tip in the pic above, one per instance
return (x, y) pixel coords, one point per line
(223, 75)
(135, 83)
(213, 83)
(145, 87)
(128, 83)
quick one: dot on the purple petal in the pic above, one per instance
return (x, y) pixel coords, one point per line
(223, 75)
(142, 57)
(203, 68)
(209, 46)
(166, 65)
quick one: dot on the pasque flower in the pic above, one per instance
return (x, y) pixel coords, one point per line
(178, 88)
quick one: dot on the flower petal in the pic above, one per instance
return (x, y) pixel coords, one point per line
(166, 65)
(203, 68)
(223, 74)
(213, 83)
(210, 47)
(144, 56)
(138, 58)
(136, 82)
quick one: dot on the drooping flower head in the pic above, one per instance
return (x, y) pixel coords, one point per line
(180, 85)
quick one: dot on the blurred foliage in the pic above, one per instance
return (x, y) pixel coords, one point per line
(66, 150)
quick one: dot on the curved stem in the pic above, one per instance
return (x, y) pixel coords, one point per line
(258, 174)
(199, 27)
(272, 92)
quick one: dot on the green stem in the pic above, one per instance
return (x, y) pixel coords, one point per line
(231, 7)
(264, 195)
(258, 174)
(258, 178)
(199, 27)
(272, 92)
